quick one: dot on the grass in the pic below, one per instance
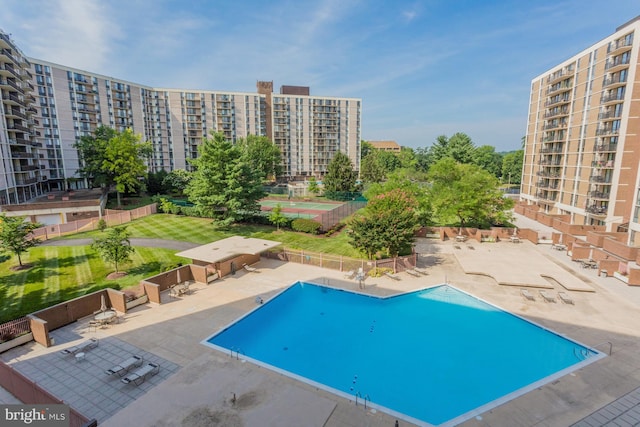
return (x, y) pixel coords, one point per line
(200, 230)
(60, 273)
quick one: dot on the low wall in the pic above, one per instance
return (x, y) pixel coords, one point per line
(620, 249)
(634, 277)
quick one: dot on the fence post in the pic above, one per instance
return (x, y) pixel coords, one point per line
(302, 257)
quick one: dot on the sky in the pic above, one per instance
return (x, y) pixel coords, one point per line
(422, 68)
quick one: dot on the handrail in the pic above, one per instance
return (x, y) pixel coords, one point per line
(606, 342)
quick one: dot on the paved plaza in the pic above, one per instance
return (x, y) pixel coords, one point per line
(199, 386)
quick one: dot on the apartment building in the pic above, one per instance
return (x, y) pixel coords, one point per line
(47, 107)
(582, 149)
(391, 146)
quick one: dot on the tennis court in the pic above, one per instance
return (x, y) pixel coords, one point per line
(303, 206)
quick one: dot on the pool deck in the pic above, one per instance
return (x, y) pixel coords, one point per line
(200, 383)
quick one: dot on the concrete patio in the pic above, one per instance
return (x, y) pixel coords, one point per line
(198, 386)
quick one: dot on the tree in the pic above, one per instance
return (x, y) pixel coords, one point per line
(15, 233)
(340, 175)
(487, 158)
(277, 217)
(263, 155)
(91, 150)
(411, 182)
(388, 223)
(512, 167)
(313, 185)
(466, 194)
(177, 180)
(112, 158)
(124, 159)
(365, 148)
(371, 170)
(115, 246)
(155, 182)
(224, 182)
(460, 148)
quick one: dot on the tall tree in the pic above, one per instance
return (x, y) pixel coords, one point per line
(115, 247)
(340, 175)
(15, 235)
(224, 182)
(277, 217)
(124, 158)
(91, 150)
(512, 167)
(388, 223)
(365, 149)
(466, 194)
(263, 155)
(460, 148)
(486, 157)
(177, 180)
(371, 169)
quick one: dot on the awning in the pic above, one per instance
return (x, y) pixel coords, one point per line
(230, 247)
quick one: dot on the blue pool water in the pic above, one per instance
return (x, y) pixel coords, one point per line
(430, 356)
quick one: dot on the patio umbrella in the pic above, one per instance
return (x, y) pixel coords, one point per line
(103, 305)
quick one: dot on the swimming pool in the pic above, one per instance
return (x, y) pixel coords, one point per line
(433, 356)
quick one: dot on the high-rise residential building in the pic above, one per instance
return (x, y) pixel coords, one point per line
(582, 149)
(19, 150)
(47, 107)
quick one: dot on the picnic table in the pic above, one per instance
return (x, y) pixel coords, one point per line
(588, 263)
(559, 246)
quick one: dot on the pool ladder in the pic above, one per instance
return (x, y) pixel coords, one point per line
(236, 350)
(364, 399)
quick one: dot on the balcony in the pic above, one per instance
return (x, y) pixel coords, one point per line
(546, 184)
(553, 138)
(608, 115)
(621, 46)
(558, 88)
(605, 148)
(614, 81)
(549, 175)
(27, 181)
(546, 196)
(607, 131)
(556, 113)
(601, 195)
(603, 164)
(12, 97)
(550, 126)
(616, 64)
(551, 150)
(597, 210)
(18, 127)
(613, 97)
(22, 155)
(560, 75)
(600, 179)
(7, 69)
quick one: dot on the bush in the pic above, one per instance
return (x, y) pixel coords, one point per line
(306, 225)
(379, 271)
(335, 229)
(102, 224)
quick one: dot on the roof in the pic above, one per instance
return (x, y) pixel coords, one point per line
(228, 248)
(385, 145)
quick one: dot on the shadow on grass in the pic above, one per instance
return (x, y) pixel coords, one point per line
(146, 268)
(4, 257)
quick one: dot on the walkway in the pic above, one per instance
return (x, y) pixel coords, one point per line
(149, 243)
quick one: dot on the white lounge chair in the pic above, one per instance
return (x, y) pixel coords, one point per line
(421, 270)
(138, 376)
(349, 274)
(525, 293)
(82, 347)
(249, 268)
(412, 272)
(392, 276)
(547, 296)
(565, 298)
(124, 367)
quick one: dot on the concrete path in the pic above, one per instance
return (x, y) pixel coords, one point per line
(149, 243)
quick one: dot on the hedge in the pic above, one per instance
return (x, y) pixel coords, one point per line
(306, 225)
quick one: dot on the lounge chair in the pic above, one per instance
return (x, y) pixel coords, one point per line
(349, 274)
(565, 298)
(421, 270)
(82, 347)
(392, 276)
(525, 293)
(249, 268)
(412, 272)
(124, 367)
(547, 296)
(138, 376)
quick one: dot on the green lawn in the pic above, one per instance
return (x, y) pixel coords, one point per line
(200, 230)
(60, 273)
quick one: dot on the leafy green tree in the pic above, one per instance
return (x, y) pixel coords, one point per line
(388, 223)
(512, 167)
(466, 194)
(125, 160)
(366, 148)
(155, 182)
(340, 175)
(313, 185)
(277, 217)
(224, 182)
(115, 247)
(177, 180)
(461, 148)
(371, 169)
(411, 182)
(15, 233)
(262, 155)
(486, 157)
(91, 150)
(407, 158)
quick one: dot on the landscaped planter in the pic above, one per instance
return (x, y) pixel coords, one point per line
(136, 302)
(22, 339)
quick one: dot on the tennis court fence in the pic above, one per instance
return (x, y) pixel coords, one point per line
(334, 216)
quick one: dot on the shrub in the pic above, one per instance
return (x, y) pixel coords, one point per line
(379, 271)
(306, 225)
(102, 224)
(335, 229)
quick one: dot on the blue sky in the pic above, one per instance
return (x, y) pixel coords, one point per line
(422, 68)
